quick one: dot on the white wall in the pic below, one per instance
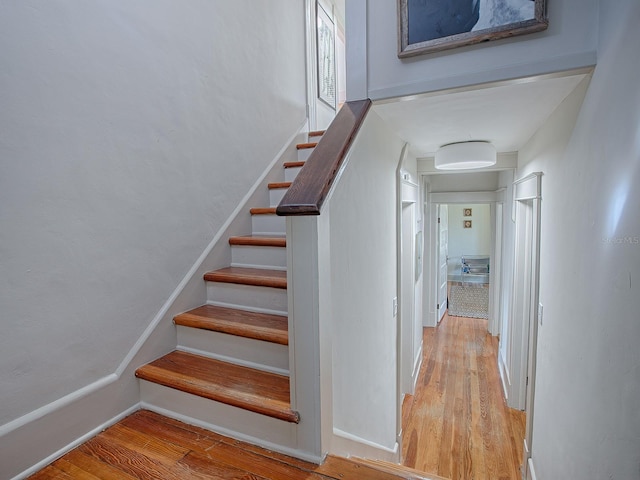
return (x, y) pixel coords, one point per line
(362, 212)
(586, 422)
(469, 241)
(569, 42)
(129, 132)
(464, 182)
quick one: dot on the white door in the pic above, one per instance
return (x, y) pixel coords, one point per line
(443, 253)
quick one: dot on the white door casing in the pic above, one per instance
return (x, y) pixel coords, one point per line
(407, 296)
(443, 256)
(434, 200)
(527, 196)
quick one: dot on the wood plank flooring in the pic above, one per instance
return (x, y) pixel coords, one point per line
(148, 446)
(457, 424)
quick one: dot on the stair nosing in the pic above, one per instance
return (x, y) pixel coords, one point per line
(248, 276)
(303, 146)
(263, 211)
(278, 185)
(258, 241)
(293, 164)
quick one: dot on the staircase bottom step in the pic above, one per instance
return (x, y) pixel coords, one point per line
(228, 420)
(254, 390)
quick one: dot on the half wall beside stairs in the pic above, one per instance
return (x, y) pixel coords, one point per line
(341, 238)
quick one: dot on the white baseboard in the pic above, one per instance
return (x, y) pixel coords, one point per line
(416, 368)
(276, 447)
(34, 415)
(531, 471)
(347, 445)
(504, 376)
(78, 441)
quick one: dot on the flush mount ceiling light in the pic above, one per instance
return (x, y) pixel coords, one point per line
(465, 156)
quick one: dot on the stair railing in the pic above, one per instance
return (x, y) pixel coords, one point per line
(309, 190)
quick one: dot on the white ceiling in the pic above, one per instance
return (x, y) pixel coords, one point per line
(506, 115)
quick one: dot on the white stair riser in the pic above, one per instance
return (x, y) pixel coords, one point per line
(268, 225)
(256, 256)
(254, 298)
(304, 153)
(291, 173)
(275, 196)
(249, 352)
(226, 419)
(314, 138)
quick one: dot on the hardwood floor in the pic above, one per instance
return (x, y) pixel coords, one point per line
(148, 446)
(457, 424)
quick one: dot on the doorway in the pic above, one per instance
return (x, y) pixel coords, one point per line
(465, 251)
(526, 310)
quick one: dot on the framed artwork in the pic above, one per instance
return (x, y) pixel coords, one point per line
(426, 26)
(326, 58)
(467, 212)
(467, 223)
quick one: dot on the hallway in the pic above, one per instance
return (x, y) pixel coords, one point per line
(457, 424)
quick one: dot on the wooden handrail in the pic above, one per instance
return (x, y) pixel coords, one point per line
(309, 189)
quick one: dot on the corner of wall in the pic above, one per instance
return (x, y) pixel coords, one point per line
(347, 445)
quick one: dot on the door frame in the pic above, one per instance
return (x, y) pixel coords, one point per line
(408, 356)
(490, 198)
(528, 191)
(441, 308)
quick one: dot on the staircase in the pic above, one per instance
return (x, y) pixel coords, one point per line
(230, 369)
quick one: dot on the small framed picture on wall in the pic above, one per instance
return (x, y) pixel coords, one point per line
(467, 223)
(467, 212)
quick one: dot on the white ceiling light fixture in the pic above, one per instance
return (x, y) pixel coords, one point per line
(465, 156)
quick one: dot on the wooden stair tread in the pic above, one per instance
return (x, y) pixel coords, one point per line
(249, 276)
(293, 164)
(243, 323)
(316, 133)
(263, 211)
(302, 146)
(258, 391)
(274, 185)
(258, 241)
